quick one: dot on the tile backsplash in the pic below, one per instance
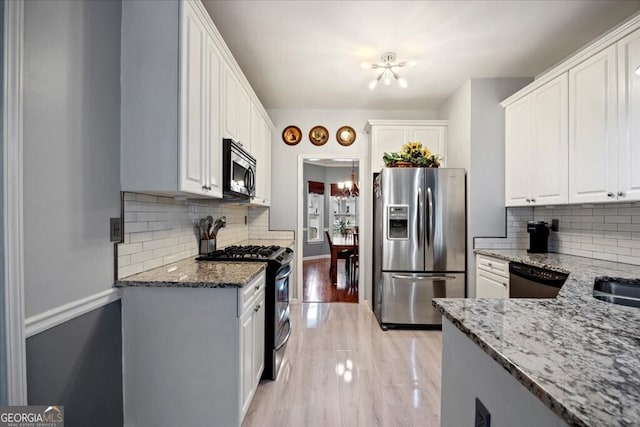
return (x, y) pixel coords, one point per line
(602, 231)
(161, 230)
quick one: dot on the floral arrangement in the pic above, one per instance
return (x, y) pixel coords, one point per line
(412, 155)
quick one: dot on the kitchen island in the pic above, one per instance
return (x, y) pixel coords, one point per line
(193, 342)
(579, 356)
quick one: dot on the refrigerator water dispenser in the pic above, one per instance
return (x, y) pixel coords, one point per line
(398, 222)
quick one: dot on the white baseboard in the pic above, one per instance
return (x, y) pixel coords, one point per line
(56, 316)
(309, 258)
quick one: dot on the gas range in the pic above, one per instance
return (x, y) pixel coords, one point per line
(277, 277)
(249, 253)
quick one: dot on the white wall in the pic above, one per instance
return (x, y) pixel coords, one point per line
(284, 171)
(476, 143)
(71, 149)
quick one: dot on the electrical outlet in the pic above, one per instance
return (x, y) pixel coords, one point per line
(483, 417)
(115, 232)
(555, 223)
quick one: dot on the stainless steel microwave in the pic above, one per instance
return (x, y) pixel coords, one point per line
(239, 171)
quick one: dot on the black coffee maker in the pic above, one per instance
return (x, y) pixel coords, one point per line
(538, 236)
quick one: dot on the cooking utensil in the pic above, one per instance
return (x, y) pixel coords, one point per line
(209, 226)
(219, 223)
(203, 229)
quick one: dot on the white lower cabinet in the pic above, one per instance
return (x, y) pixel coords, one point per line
(492, 277)
(191, 356)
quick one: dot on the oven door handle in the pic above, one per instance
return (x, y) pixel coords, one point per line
(284, 342)
(284, 276)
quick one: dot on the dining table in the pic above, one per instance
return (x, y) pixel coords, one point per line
(338, 243)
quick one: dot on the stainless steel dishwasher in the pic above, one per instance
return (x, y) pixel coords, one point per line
(526, 281)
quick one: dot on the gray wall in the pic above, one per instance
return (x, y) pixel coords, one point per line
(315, 173)
(71, 149)
(328, 175)
(79, 365)
(476, 143)
(71, 189)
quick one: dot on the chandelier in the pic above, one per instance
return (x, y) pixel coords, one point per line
(388, 68)
(349, 188)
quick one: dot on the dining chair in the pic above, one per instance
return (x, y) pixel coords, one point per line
(354, 259)
(344, 254)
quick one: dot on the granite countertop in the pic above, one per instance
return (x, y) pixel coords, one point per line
(580, 356)
(190, 273)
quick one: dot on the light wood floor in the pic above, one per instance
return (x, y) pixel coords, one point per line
(317, 286)
(341, 369)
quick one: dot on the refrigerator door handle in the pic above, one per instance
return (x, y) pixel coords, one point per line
(419, 218)
(430, 223)
(430, 278)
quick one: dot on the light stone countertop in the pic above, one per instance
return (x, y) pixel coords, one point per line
(190, 273)
(580, 356)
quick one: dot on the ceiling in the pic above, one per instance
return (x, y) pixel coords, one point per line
(307, 54)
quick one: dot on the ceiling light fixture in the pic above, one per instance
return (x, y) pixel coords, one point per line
(388, 72)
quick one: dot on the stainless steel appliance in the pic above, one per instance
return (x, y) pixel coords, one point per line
(239, 172)
(527, 281)
(538, 236)
(277, 322)
(419, 243)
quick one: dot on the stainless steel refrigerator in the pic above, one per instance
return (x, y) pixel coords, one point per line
(419, 243)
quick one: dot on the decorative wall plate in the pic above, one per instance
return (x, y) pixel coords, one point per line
(346, 135)
(319, 135)
(291, 135)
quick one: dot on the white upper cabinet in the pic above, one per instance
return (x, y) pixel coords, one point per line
(194, 102)
(517, 135)
(550, 148)
(593, 129)
(536, 147)
(261, 149)
(244, 120)
(237, 111)
(181, 93)
(599, 115)
(213, 170)
(629, 113)
(390, 135)
(170, 84)
(230, 104)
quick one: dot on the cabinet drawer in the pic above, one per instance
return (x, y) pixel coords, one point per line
(248, 293)
(494, 265)
(489, 285)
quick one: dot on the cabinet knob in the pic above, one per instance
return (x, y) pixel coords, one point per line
(257, 307)
(620, 194)
(609, 194)
(533, 200)
(489, 264)
(528, 200)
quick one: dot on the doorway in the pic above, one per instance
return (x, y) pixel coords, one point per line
(330, 227)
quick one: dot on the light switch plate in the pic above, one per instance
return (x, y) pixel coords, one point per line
(115, 232)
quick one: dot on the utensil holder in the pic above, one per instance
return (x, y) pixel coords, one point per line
(207, 246)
